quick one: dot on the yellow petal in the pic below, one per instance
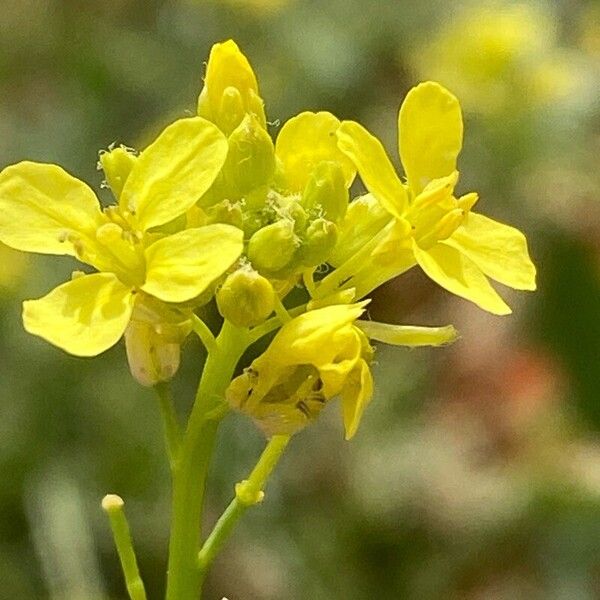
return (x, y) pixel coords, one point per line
(499, 250)
(44, 209)
(431, 130)
(408, 335)
(174, 171)
(307, 338)
(182, 266)
(374, 166)
(306, 140)
(230, 88)
(459, 275)
(85, 316)
(356, 395)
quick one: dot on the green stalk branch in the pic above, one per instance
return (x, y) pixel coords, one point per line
(204, 333)
(247, 493)
(274, 323)
(113, 506)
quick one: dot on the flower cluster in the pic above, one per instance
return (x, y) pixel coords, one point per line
(214, 208)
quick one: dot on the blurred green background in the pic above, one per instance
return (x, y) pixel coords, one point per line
(476, 473)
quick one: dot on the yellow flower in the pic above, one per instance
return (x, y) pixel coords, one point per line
(44, 209)
(315, 357)
(425, 222)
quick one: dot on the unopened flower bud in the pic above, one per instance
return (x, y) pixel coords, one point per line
(231, 110)
(225, 212)
(152, 357)
(297, 214)
(226, 112)
(117, 164)
(271, 248)
(326, 189)
(246, 298)
(230, 89)
(251, 158)
(318, 242)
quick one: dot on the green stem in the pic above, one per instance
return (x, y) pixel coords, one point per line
(189, 475)
(171, 423)
(309, 281)
(281, 311)
(273, 323)
(113, 506)
(247, 494)
(204, 333)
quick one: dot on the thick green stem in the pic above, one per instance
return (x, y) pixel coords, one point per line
(247, 494)
(189, 473)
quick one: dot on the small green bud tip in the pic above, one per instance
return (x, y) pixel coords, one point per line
(326, 189)
(227, 213)
(117, 164)
(251, 158)
(246, 298)
(112, 503)
(319, 240)
(271, 248)
(246, 496)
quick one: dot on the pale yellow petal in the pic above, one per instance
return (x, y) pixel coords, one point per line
(182, 266)
(44, 209)
(499, 250)
(306, 140)
(430, 134)
(374, 166)
(356, 396)
(459, 275)
(173, 172)
(85, 316)
(408, 335)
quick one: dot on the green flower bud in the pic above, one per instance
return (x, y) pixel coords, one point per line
(225, 212)
(117, 164)
(251, 158)
(318, 242)
(258, 198)
(246, 298)
(253, 221)
(271, 248)
(326, 189)
(297, 214)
